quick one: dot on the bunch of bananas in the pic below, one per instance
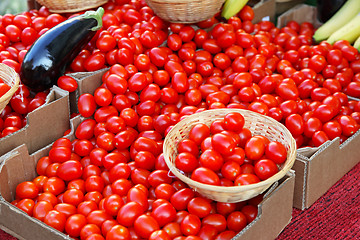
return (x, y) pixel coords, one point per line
(232, 7)
(343, 25)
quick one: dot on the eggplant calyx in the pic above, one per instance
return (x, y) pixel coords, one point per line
(97, 15)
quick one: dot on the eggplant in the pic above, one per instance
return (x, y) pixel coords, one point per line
(327, 8)
(51, 54)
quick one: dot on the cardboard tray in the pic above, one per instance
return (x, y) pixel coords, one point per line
(39, 129)
(18, 165)
(318, 169)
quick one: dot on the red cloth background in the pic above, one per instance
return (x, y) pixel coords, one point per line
(335, 215)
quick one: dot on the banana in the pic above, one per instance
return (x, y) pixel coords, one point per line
(350, 31)
(347, 12)
(232, 7)
(357, 44)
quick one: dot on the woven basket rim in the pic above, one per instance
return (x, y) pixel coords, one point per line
(81, 6)
(14, 87)
(180, 1)
(231, 189)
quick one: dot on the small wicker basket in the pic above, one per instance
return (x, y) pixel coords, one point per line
(70, 6)
(258, 124)
(185, 11)
(12, 78)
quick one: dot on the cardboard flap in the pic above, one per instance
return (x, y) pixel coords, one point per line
(277, 203)
(39, 130)
(300, 13)
(265, 9)
(13, 170)
(329, 164)
(87, 82)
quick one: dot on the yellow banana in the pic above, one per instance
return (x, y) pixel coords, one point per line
(347, 12)
(232, 7)
(357, 44)
(350, 31)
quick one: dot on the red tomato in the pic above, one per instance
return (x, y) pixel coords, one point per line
(144, 225)
(86, 105)
(276, 152)
(181, 198)
(27, 189)
(199, 206)
(236, 221)
(245, 179)
(67, 83)
(128, 213)
(265, 168)
(199, 132)
(190, 225)
(70, 170)
(254, 148)
(41, 208)
(186, 162)
(164, 213)
(56, 220)
(223, 144)
(205, 175)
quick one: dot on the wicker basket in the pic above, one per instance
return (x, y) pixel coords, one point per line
(69, 6)
(258, 124)
(185, 11)
(12, 78)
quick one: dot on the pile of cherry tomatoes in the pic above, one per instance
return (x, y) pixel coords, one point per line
(219, 154)
(112, 182)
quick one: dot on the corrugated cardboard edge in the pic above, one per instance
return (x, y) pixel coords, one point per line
(55, 113)
(325, 167)
(277, 204)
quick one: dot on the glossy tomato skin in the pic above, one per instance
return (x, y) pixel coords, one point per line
(265, 168)
(86, 105)
(211, 159)
(181, 198)
(222, 143)
(254, 148)
(190, 225)
(118, 232)
(276, 152)
(205, 175)
(144, 225)
(199, 132)
(245, 179)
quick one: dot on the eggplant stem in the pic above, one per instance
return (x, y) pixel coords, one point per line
(97, 15)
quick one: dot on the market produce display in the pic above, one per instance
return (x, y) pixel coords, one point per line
(111, 181)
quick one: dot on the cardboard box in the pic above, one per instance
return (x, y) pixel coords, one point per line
(39, 130)
(265, 9)
(284, 5)
(318, 169)
(18, 165)
(277, 204)
(300, 13)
